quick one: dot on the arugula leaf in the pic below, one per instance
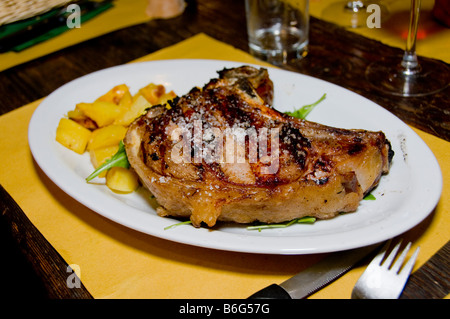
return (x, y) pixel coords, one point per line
(178, 224)
(303, 220)
(369, 196)
(303, 112)
(119, 159)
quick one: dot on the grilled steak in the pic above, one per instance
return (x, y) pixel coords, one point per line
(223, 153)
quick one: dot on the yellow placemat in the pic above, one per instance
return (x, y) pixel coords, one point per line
(117, 262)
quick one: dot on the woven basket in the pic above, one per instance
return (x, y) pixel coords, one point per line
(15, 10)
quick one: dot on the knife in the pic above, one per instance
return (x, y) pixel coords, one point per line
(315, 277)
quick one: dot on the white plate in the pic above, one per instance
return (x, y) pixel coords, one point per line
(404, 197)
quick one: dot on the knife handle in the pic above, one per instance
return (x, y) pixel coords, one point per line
(273, 291)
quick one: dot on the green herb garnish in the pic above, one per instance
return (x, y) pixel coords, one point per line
(303, 112)
(119, 159)
(369, 197)
(303, 220)
(178, 224)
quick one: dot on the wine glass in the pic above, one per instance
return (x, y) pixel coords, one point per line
(350, 13)
(405, 76)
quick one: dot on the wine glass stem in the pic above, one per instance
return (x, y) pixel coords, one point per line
(409, 63)
(355, 6)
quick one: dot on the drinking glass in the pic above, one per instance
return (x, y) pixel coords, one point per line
(351, 13)
(408, 76)
(278, 30)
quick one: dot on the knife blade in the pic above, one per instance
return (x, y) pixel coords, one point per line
(315, 277)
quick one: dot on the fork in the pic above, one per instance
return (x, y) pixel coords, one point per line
(382, 280)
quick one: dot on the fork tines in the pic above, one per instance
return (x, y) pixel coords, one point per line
(388, 262)
(385, 278)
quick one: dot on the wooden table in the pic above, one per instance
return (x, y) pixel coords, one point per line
(34, 268)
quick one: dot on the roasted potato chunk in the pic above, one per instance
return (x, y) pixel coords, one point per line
(106, 136)
(102, 113)
(72, 135)
(123, 180)
(100, 155)
(115, 95)
(136, 109)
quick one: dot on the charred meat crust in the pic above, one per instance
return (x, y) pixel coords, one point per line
(258, 79)
(317, 171)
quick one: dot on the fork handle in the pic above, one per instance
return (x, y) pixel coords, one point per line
(273, 291)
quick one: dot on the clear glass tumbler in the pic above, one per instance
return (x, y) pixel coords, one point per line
(278, 30)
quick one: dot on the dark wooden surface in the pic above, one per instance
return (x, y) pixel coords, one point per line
(432, 280)
(336, 55)
(41, 272)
